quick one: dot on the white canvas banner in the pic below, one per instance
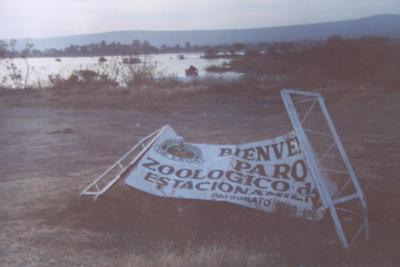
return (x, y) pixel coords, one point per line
(270, 175)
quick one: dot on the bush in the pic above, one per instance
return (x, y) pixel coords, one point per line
(217, 69)
(80, 79)
(102, 59)
(144, 73)
(131, 60)
(373, 60)
(252, 53)
(210, 53)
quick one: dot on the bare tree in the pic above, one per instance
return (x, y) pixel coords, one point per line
(16, 76)
(25, 53)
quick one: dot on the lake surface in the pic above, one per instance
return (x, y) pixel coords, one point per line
(164, 65)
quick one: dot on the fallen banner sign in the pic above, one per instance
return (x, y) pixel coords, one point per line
(270, 175)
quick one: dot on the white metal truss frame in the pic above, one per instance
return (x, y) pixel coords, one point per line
(104, 182)
(319, 174)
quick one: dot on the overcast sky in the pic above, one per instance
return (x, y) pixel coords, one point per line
(47, 18)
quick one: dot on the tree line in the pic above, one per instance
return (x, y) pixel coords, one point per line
(136, 47)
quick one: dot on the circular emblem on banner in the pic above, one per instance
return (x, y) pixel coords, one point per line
(176, 149)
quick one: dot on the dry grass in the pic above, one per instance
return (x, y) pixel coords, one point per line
(213, 256)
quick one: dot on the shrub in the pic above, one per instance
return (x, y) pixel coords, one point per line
(144, 73)
(102, 59)
(81, 79)
(374, 60)
(210, 53)
(217, 68)
(131, 60)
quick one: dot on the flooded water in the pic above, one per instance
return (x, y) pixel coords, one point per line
(39, 69)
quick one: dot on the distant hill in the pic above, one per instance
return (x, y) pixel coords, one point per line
(382, 25)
